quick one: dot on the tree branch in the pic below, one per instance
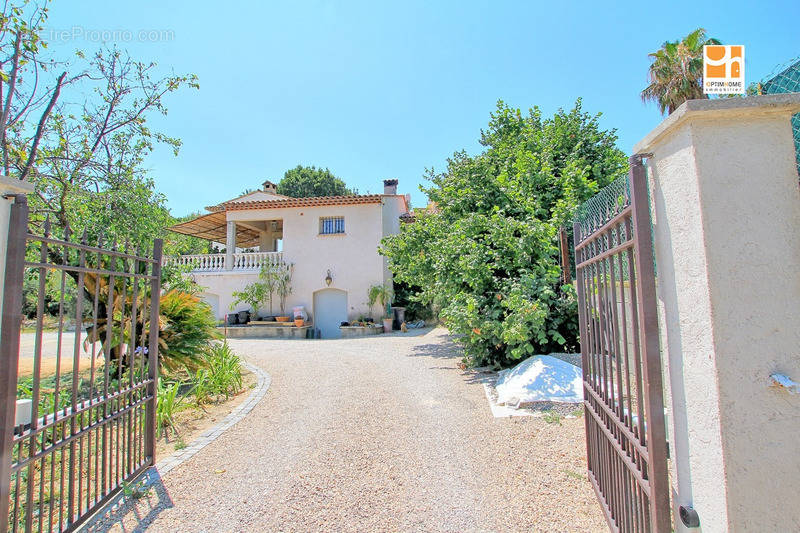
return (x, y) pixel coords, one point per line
(40, 128)
(12, 83)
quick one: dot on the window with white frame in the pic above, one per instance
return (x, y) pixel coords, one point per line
(331, 225)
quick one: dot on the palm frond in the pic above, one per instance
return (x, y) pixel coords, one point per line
(676, 71)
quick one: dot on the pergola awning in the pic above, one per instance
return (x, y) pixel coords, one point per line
(213, 227)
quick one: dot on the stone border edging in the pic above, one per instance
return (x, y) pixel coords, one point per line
(211, 434)
(153, 474)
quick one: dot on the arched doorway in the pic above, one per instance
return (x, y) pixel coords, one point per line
(213, 301)
(330, 310)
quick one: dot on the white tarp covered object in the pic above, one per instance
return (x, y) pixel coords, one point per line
(541, 378)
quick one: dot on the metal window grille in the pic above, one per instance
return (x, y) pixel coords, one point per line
(331, 225)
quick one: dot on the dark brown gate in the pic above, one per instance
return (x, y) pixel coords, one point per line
(623, 396)
(85, 375)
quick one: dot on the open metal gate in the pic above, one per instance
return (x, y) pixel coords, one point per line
(78, 410)
(623, 395)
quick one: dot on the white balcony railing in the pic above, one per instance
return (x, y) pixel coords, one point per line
(255, 260)
(252, 261)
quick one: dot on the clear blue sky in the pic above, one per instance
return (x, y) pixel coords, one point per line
(375, 90)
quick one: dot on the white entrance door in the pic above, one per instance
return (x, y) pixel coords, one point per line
(330, 310)
(213, 301)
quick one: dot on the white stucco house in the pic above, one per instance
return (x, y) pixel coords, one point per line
(336, 235)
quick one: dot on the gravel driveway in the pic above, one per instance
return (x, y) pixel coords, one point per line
(375, 434)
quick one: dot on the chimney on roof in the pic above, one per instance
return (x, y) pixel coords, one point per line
(390, 186)
(270, 187)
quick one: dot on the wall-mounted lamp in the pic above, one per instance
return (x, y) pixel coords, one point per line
(328, 278)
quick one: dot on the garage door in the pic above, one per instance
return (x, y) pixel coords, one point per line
(330, 310)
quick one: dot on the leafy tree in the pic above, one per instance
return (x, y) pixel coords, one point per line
(27, 97)
(90, 171)
(177, 244)
(487, 256)
(303, 182)
(78, 130)
(676, 73)
(83, 154)
(406, 295)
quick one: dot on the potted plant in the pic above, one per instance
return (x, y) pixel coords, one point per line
(268, 277)
(388, 320)
(383, 296)
(252, 295)
(283, 286)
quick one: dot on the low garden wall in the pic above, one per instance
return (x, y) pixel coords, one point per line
(360, 331)
(267, 332)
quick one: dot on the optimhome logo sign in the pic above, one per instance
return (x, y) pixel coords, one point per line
(723, 69)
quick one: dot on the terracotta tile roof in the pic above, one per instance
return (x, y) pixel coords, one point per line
(213, 226)
(314, 201)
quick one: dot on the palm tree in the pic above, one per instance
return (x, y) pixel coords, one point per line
(676, 73)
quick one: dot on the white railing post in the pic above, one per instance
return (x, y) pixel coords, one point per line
(218, 262)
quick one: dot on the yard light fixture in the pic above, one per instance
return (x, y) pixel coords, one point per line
(328, 278)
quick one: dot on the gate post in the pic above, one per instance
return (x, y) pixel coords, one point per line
(9, 187)
(152, 354)
(9, 343)
(726, 207)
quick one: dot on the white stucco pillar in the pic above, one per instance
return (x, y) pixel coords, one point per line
(7, 186)
(726, 215)
(230, 244)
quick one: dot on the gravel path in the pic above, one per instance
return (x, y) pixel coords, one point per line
(375, 434)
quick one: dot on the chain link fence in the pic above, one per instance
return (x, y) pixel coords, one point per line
(613, 198)
(604, 205)
(601, 208)
(786, 80)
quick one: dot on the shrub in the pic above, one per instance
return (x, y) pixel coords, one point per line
(253, 295)
(224, 370)
(486, 256)
(201, 387)
(271, 278)
(186, 326)
(186, 330)
(283, 285)
(409, 296)
(169, 402)
(178, 277)
(221, 375)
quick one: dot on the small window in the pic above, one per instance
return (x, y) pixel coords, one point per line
(331, 225)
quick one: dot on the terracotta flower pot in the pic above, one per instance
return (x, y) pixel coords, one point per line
(299, 322)
(387, 325)
(282, 318)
